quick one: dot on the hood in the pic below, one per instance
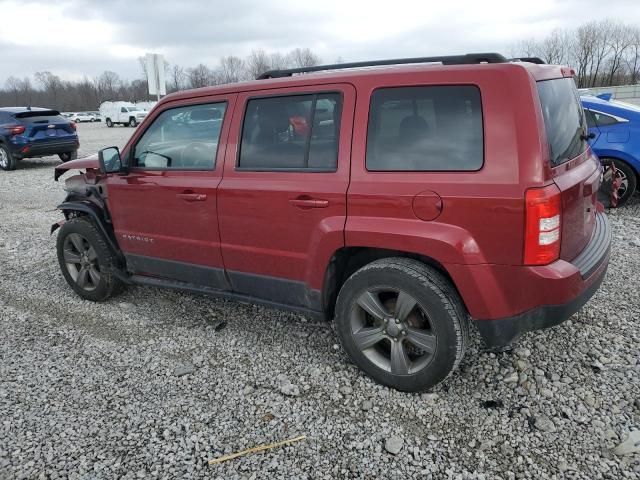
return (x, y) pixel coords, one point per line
(89, 162)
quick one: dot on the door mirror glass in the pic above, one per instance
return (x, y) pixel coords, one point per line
(110, 161)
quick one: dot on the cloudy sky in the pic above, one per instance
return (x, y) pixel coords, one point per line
(73, 38)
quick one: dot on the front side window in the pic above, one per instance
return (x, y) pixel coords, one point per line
(295, 132)
(435, 128)
(182, 138)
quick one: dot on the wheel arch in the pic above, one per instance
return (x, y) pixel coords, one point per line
(79, 206)
(347, 260)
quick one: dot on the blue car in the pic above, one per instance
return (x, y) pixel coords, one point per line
(614, 128)
(27, 132)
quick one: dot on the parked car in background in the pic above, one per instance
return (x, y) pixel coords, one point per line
(80, 117)
(96, 116)
(27, 132)
(123, 113)
(614, 128)
(401, 201)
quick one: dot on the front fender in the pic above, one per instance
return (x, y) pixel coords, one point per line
(96, 213)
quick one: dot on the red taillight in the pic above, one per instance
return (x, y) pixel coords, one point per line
(73, 126)
(543, 224)
(17, 130)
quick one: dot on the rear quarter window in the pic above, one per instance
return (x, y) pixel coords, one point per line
(425, 128)
(564, 119)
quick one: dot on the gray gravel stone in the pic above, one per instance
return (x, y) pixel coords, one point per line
(394, 444)
(88, 391)
(544, 424)
(182, 370)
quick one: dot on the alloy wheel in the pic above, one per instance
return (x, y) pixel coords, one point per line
(624, 183)
(81, 261)
(393, 331)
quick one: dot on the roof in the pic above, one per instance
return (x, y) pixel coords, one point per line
(538, 72)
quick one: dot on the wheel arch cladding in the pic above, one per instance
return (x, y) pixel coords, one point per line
(347, 260)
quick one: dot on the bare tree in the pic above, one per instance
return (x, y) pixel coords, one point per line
(632, 56)
(555, 48)
(257, 63)
(278, 61)
(231, 70)
(303, 57)
(621, 39)
(199, 76)
(178, 76)
(13, 86)
(583, 46)
(51, 84)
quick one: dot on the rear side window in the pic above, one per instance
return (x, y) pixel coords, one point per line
(291, 133)
(602, 119)
(564, 120)
(435, 128)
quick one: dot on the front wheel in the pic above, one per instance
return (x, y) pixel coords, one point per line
(132, 122)
(66, 156)
(86, 261)
(403, 323)
(7, 161)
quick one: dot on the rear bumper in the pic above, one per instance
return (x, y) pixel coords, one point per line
(507, 301)
(42, 149)
(504, 331)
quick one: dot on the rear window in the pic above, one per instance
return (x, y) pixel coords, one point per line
(44, 119)
(37, 113)
(435, 128)
(563, 118)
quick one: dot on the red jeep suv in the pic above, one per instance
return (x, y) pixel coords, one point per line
(403, 200)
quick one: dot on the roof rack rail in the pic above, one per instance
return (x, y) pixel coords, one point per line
(468, 59)
(537, 60)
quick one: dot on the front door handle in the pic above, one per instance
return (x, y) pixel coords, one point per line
(306, 202)
(192, 197)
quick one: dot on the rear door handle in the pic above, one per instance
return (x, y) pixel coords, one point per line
(307, 202)
(192, 197)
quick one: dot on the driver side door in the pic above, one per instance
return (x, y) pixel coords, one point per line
(164, 209)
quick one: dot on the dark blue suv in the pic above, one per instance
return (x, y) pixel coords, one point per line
(27, 132)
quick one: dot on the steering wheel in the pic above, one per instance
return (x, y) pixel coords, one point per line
(197, 154)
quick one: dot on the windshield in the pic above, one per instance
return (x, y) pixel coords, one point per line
(563, 118)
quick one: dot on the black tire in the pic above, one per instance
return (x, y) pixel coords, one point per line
(67, 156)
(132, 122)
(437, 307)
(626, 191)
(7, 161)
(109, 122)
(91, 256)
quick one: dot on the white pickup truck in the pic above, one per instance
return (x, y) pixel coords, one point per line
(123, 113)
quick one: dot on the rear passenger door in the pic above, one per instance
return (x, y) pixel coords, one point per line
(282, 200)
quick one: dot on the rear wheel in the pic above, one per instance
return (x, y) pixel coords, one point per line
(86, 261)
(628, 179)
(66, 156)
(132, 122)
(109, 122)
(7, 162)
(402, 323)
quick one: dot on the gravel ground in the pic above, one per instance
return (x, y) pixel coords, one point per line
(153, 383)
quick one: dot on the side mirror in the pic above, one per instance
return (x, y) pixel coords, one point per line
(110, 161)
